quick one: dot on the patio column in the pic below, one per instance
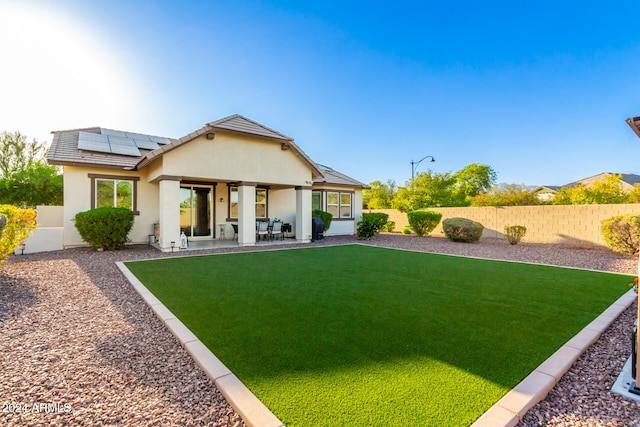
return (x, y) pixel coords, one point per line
(303, 214)
(247, 213)
(169, 213)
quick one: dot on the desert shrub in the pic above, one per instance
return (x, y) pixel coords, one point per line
(390, 226)
(371, 224)
(514, 233)
(105, 228)
(15, 226)
(324, 216)
(423, 222)
(622, 233)
(462, 229)
(406, 230)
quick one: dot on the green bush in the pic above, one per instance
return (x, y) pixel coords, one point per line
(105, 228)
(622, 233)
(326, 217)
(371, 224)
(406, 230)
(514, 233)
(462, 230)
(15, 226)
(423, 222)
(390, 226)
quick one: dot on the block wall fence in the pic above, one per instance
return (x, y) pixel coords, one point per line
(570, 225)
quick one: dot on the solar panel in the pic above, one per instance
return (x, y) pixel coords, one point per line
(140, 136)
(147, 145)
(159, 140)
(111, 132)
(93, 142)
(114, 140)
(125, 149)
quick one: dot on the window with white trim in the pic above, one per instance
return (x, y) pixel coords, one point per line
(261, 202)
(339, 204)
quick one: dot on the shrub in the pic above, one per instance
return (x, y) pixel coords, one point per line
(406, 230)
(15, 226)
(423, 222)
(462, 230)
(324, 216)
(390, 226)
(105, 228)
(514, 233)
(622, 233)
(371, 224)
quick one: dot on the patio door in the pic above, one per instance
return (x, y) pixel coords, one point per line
(196, 210)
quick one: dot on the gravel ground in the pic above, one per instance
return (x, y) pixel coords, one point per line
(79, 346)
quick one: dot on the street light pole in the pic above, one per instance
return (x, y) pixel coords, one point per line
(414, 165)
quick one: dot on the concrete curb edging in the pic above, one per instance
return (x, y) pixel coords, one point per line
(509, 410)
(253, 412)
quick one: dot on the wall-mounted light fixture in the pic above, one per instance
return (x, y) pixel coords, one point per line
(221, 199)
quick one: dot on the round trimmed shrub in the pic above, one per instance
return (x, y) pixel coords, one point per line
(423, 222)
(462, 230)
(622, 233)
(105, 228)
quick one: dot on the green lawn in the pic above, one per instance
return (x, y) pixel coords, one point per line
(359, 335)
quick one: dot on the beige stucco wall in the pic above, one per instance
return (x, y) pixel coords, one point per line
(234, 158)
(573, 225)
(77, 198)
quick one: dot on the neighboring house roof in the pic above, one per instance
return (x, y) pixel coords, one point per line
(333, 177)
(627, 178)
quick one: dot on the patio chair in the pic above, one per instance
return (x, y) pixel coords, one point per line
(262, 229)
(276, 230)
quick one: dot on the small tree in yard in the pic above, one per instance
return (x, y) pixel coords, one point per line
(423, 222)
(326, 217)
(371, 224)
(15, 226)
(105, 228)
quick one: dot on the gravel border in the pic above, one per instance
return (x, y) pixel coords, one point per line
(76, 340)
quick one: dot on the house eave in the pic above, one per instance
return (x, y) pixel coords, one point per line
(634, 124)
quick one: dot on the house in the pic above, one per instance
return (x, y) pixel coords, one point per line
(628, 181)
(231, 172)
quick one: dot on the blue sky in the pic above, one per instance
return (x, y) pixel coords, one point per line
(539, 90)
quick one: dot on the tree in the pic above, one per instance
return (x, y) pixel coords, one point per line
(507, 195)
(427, 189)
(39, 184)
(25, 177)
(430, 189)
(607, 191)
(18, 154)
(474, 179)
(380, 196)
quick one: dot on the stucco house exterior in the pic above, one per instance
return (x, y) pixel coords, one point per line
(628, 182)
(232, 171)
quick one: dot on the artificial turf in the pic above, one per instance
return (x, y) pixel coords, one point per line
(360, 335)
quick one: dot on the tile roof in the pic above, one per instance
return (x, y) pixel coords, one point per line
(64, 151)
(64, 148)
(334, 177)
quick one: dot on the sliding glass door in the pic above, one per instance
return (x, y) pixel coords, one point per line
(196, 210)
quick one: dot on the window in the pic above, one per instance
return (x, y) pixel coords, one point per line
(114, 191)
(316, 200)
(339, 204)
(261, 202)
